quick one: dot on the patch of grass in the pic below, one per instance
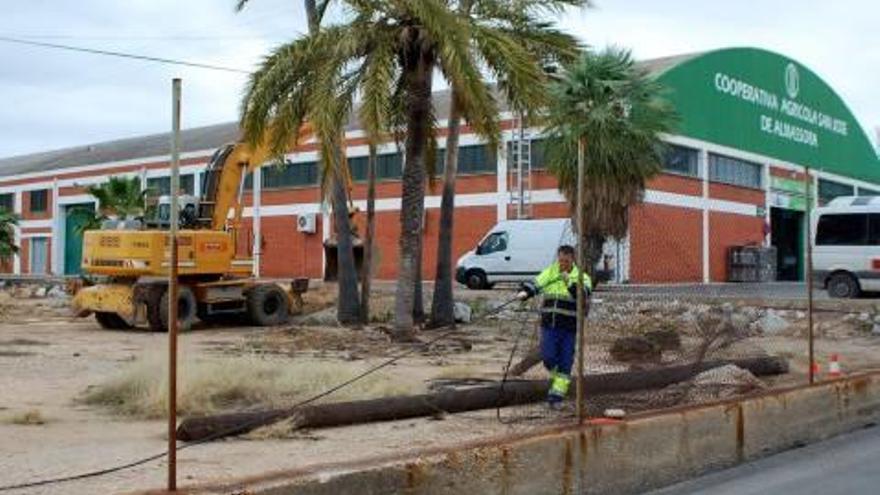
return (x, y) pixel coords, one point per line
(32, 417)
(242, 382)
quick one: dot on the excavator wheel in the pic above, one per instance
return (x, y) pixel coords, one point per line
(153, 300)
(267, 305)
(186, 309)
(111, 321)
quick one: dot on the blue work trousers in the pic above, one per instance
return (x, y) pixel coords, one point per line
(557, 349)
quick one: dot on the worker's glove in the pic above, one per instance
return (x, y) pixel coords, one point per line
(526, 290)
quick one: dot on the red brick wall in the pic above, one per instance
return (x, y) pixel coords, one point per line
(286, 252)
(726, 230)
(665, 244)
(736, 193)
(677, 184)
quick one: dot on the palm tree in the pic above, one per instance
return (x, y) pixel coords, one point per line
(492, 31)
(120, 197)
(619, 112)
(334, 176)
(8, 222)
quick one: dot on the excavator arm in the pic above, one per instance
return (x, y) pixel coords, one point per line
(223, 185)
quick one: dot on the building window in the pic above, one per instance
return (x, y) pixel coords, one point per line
(7, 202)
(290, 174)
(39, 201)
(161, 186)
(829, 190)
(537, 153)
(680, 160)
(734, 171)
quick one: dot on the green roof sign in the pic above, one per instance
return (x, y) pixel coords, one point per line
(765, 103)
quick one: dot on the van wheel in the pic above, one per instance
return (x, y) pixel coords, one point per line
(476, 280)
(843, 285)
(267, 305)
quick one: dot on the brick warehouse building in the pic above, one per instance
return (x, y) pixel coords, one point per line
(751, 121)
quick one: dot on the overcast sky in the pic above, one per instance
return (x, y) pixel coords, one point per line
(51, 99)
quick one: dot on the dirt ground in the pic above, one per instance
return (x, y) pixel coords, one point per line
(49, 361)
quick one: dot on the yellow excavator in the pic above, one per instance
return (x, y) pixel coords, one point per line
(215, 281)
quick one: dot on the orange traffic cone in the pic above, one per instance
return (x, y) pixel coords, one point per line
(834, 367)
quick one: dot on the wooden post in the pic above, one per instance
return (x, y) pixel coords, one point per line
(579, 396)
(172, 288)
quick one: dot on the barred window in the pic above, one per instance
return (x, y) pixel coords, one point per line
(39, 200)
(734, 171)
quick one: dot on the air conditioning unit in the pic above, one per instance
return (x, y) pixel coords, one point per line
(307, 223)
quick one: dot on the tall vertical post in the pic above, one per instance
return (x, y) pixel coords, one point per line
(520, 189)
(172, 286)
(256, 219)
(581, 238)
(808, 273)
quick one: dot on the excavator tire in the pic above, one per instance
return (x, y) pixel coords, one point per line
(111, 321)
(186, 309)
(153, 299)
(267, 305)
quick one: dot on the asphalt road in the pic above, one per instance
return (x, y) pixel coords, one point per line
(843, 465)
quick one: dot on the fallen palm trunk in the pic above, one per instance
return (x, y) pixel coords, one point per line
(453, 401)
(531, 359)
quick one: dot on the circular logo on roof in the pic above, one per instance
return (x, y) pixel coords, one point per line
(792, 80)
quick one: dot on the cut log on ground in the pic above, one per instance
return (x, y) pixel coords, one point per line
(453, 401)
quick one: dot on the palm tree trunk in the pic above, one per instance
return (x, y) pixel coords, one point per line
(442, 303)
(348, 303)
(418, 295)
(418, 67)
(367, 275)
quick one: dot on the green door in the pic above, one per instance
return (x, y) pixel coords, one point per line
(75, 216)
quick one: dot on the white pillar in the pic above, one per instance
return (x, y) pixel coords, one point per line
(704, 170)
(501, 181)
(255, 208)
(57, 243)
(16, 208)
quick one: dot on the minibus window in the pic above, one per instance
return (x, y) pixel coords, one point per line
(844, 229)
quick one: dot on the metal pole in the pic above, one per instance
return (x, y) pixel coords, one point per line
(809, 272)
(172, 288)
(520, 203)
(579, 391)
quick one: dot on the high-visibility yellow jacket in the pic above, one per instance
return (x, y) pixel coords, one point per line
(559, 290)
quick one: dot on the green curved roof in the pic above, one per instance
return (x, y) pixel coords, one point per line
(766, 103)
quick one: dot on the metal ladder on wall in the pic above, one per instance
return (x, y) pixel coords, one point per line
(519, 168)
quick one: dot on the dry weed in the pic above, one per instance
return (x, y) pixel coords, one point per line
(32, 417)
(241, 382)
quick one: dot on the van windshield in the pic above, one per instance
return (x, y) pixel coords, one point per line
(497, 241)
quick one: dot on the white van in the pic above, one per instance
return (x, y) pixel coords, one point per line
(846, 247)
(513, 251)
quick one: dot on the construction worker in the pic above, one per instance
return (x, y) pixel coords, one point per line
(558, 286)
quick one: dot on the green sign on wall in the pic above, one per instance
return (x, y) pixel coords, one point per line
(765, 103)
